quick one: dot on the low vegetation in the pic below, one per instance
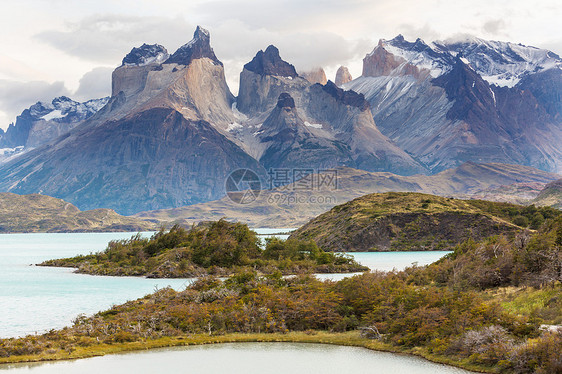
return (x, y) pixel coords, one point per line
(217, 248)
(481, 307)
(400, 221)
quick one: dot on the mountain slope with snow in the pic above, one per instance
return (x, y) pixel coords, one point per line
(437, 103)
(44, 121)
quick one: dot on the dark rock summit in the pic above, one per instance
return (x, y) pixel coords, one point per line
(146, 54)
(347, 97)
(198, 47)
(285, 101)
(266, 77)
(270, 63)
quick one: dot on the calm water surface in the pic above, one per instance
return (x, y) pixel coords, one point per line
(246, 358)
(37, 299)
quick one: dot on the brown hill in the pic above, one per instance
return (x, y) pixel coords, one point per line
(401, 221)
(40, 213)
(551, 195)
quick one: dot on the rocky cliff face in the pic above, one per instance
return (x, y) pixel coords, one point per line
(290, 143)
(159, 141)
(342, 76)
(346, 115)
(265, 78)
(316, 75)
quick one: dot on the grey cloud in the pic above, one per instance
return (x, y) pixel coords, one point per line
(94, 84)
(279, 15)
(16, 96)
(236, 43)
(494, 27)
(425, 32)
(107, 38)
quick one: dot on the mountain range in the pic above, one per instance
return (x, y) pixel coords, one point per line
(172, 131)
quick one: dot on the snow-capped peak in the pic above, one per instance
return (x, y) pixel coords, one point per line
(419, 54)
(145, 55)
(501, 63)
(62, 109)
(201, 32)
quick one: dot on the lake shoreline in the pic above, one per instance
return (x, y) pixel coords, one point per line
(349, 339)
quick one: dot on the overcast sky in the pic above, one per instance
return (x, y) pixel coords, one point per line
(69, 47)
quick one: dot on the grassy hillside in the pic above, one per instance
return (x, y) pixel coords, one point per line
(412, 221)
(551, 195)
(291, 206)
(40, 213)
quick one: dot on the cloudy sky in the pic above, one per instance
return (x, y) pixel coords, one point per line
(69, 47)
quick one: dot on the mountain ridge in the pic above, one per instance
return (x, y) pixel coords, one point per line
(419, 108)
(290, 206)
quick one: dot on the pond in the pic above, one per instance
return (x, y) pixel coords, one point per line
(245, 358)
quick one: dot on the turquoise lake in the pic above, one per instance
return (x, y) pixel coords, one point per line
(36, 299)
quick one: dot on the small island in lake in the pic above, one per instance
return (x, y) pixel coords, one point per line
(213, 248)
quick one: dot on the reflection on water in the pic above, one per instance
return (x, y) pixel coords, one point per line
(245, 358)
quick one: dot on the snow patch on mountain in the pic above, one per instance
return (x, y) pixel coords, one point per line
(55, 114)
(145, 55)
(422, 60)
(313, 125)
(500, 63)
(233, 126)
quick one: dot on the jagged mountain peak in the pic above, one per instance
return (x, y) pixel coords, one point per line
(347, 97)
(269, 62)
(146, 54)
(44, 121)
(343, 76)
(409, 58)
(501, 63)
(201, 33)
(198, 47)
(315, 75)
(285, 101)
